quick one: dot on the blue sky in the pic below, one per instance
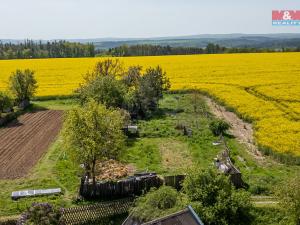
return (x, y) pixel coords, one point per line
(49, 19)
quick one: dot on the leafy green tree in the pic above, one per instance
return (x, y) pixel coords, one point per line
(105, 90)
(215, 199)
(157, 203)
(111, 85)
(108, 67)
(219, 127)
(158, 80)
(150, 90)
(132, 76)
(103, 86)
(289, 197)
(23, 85)
(5, 102)
(92, 133)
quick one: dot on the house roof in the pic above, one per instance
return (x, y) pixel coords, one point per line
(184, 217)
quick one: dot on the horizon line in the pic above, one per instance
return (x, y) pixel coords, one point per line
(150, 37)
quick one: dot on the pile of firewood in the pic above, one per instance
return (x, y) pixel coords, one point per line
(111, 170)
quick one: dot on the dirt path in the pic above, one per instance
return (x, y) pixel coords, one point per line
(242, 130)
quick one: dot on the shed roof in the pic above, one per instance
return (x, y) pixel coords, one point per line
(184, 217)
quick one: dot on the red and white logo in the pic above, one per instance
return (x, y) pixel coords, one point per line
(286, 17)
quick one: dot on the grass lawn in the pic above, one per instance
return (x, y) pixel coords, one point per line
(161, 147)
(58, 104)
(164, 149)
(53, 170)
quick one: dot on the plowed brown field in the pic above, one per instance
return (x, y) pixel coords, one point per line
(24, 141)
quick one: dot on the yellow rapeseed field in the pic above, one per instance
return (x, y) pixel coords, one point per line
(264, 88)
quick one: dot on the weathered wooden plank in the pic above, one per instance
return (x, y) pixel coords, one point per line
(28, 193)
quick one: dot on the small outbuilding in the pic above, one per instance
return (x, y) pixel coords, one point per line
(184, 217)
(131, 130)
(225, 165)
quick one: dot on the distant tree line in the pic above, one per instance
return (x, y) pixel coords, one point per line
(152, 50)
(63, 49)
(55, 49)
(155, 50)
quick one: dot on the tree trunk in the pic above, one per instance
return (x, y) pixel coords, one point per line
(93, 172)
(88, 170)
(24, 104)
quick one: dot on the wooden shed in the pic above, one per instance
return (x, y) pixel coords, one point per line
(183, 217)
(131, 130)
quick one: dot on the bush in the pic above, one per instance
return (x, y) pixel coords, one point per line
(23, 85)
(215, 199)
(41, 214)
(269, 215)
(5, 102)
(158, 203)
(219, 127)
(289, 196)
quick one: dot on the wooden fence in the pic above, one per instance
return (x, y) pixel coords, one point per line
(91, 214)
(174, 181)
(88, 214)
(224, 164)
(133, 186)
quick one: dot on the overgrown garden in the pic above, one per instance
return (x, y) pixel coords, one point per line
(176, 136)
